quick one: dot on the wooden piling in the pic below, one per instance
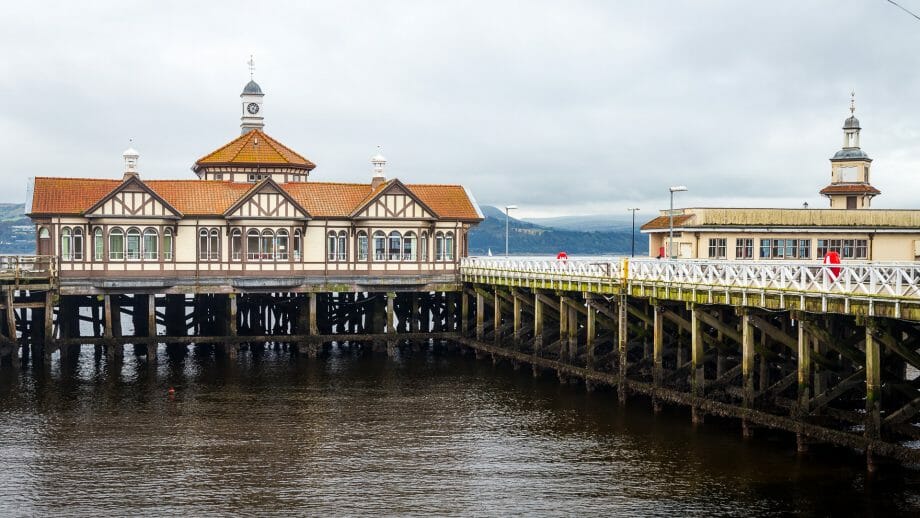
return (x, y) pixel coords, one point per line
(873, 389)
(622, 347)
(804, 381)
(480, 315)
(697, 371)
(747, 368)
(497, 317)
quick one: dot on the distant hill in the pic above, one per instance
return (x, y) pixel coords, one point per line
(606, 223)
(526, 238)
(17, 234)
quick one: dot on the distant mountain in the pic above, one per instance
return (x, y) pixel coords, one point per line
(527, 238)
(17, 234)
(606, 223)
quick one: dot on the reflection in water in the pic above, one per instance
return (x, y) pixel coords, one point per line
(431, 432)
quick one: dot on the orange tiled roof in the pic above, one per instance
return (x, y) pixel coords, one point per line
(850, 188)
(664, 222)
(72, 196)
(255, 147)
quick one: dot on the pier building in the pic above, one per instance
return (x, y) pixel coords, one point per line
(253, 217)
(849, 226)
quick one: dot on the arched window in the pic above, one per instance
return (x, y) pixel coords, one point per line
(331, 243)
(423, 246)
(117, 244)
(395, 247)
(342, 247)
(298, 245)
(133, 244)
(78, 244)
(380, 246)
(151, 245)
(214, 245)
(66, 250)
(449, 246)
(252, 245)
(43, 233)
(281, 245)
(168, 244)
(267, 247)
(362, 246)
(409, 245)
(203, 244)
(98, 245)
(439, 246)
(236, 244)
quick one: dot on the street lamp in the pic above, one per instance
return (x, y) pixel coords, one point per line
(632, 243)
(673, 189)
(508, 209)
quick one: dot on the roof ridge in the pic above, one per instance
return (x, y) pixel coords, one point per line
(77, 178)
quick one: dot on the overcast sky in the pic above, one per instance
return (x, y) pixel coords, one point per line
(558, 107)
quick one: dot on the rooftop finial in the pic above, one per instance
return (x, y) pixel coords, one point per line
(252, 66)
(852, 102)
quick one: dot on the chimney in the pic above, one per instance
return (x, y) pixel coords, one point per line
(130, 155)
(379, 177)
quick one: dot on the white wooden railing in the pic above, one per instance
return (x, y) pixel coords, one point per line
(866, 279)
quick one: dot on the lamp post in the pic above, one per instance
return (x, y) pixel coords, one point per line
(508, 209)
(632, 243)
(673, 189)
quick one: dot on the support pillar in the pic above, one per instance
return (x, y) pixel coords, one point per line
(804, 382)
(480, 316)
(590, 335)
(497, 317)
(537, 331)
(622, 344)
(464, 313)
(563, 328)
(11, 326)
(516, 308)
(657, 351)
(413, 318)
(391, 329)
(697, 372)
(873, 389)
(747, 368)
(313, 329)
(232, 315)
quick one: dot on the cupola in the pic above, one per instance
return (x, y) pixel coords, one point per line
(379, 162)
(251, 99)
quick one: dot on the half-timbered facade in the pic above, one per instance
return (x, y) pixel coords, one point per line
(251, 214)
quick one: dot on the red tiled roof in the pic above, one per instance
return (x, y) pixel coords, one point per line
(664, 222)
(850, 188)
(72, 196)
(255, 147)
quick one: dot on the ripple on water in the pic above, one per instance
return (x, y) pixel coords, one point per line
(427, 433)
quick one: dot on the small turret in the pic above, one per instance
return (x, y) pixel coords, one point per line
(130, 155)
(379, 162)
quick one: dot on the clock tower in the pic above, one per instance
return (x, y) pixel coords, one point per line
(252, 103)
(850, 187)
(252, 107)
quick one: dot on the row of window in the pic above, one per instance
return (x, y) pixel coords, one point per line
(132, 244)
(789, 248)
(266, 245)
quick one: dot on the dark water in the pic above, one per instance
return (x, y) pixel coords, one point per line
(431, 432)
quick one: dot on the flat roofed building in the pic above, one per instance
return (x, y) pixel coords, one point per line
(849, 227)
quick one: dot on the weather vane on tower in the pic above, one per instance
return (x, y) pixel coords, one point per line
(252, 66)
(852, 102)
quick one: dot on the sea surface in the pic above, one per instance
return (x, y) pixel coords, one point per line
(431, 432)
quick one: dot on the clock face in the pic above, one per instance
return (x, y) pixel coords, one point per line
(252, 108)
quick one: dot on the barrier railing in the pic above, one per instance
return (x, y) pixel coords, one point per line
(897, 280)
(27, 267)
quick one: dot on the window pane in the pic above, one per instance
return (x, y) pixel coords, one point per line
(341, 247)
(116, 245)
(362, 247)
(133, 245)
(168, 246)
(151, 244)
(98, 245)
